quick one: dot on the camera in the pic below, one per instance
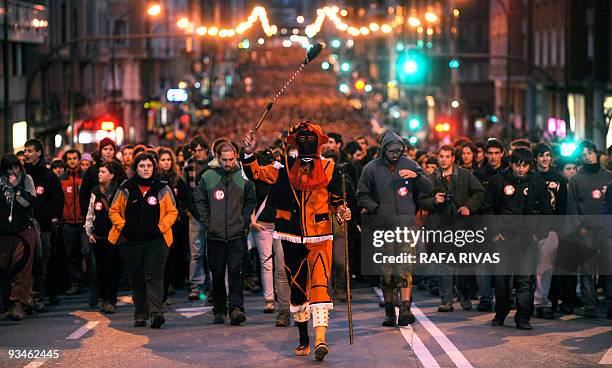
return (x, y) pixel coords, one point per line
(448, 196)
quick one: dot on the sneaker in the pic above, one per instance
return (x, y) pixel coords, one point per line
(497, 321)
(74, 290)
(15, 312)
(484, 306)
(110, 308)
(194, 295)
(465, 302)
(282, 320)
(219, 318)
(237, 316)
(523, 325)
(590, 312)
(545, 313)
(269, 307)
(40, 307)
(566, 308)
(157, 320)
(446, 307)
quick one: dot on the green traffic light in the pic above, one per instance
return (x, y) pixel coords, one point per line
(345, 67)
(412, 67)
(454, 64)
(414, 123)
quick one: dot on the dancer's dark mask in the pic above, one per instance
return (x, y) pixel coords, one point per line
(392, 152)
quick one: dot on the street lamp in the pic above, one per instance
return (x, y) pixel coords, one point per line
(154, 10)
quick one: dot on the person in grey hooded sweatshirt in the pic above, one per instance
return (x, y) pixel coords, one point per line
(389, 186)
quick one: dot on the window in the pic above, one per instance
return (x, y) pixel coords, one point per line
(544, 48)
(120, 28)
(553, 51)
(536, 48)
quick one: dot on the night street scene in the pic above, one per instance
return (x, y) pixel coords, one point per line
(327, 183)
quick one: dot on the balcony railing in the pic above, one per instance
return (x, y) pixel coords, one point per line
(27, 21)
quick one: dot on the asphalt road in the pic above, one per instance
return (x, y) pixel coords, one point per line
(82, 337)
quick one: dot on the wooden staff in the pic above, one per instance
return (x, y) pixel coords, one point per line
(346, 263)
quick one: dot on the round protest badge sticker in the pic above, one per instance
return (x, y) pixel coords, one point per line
(40, 190)
(596, 194)
(219, 195)
(152, 201)
(98, 206)
(402, 192)
(509, 190)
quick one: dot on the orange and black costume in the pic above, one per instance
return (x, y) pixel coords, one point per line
(305, 187)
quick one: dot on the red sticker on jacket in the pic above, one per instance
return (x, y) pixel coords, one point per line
(403, 191)
(40, 190)
(219, 195)
(152, 201)
(69, 189)
(98, 206)
(596, 194)
(509, 190)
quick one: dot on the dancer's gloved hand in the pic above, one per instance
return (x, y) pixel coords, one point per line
(249, 143)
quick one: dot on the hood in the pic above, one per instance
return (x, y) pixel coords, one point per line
(389, 137)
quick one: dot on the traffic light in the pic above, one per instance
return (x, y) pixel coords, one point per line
(360, 84)
(325, 65)
(335, 43)
(454, 64)
(442, 127)
(344, 88)
(412, 67)
(414, 123)
(345, 66)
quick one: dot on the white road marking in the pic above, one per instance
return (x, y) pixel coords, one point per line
(415, 342)
(449, 348)
(193, 311)
(607, 358)
(36, 363)
(83, 330)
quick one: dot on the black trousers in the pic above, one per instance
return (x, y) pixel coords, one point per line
(525, 287)
(108, 264)
(221, 255)
(145, 262)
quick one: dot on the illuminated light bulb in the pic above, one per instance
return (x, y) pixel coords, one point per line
(374, 27)
(201, 31)
(431, 17)
(414, 22)
(420, 29)
(430, 31)
(364, 31)
(213, 31)
(344, 12)
(300, 19)
(182, 23)
(385, 28)
(260, 41)
(286, 43)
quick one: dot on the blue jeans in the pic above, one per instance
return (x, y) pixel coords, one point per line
(199, 273)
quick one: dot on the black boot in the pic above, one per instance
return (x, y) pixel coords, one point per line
(390, 316)
(405, 316)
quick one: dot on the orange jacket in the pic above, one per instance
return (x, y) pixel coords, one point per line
(167, 212)
(301, 217)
